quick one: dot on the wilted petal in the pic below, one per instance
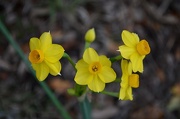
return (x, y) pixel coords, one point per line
(107, 74)
(90, 55)
(42, 71)
(96, 84)
(54, 53)
(83, 77)
(126, 51)
(46, 40)
(34, 43)
(129, 39)
(104, 61)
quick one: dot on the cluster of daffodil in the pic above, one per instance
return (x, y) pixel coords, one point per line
(93, 71)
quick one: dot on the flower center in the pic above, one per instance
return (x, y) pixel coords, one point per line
(95, 67)
(36, 56)
(143, 47)
(134, 80)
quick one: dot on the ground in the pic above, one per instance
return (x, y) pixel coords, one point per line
(157, 21)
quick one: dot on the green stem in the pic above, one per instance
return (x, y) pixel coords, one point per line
(116, 58)
(110, 93)
(85, 108)
(55, 101)
(53, 98)
(79, 90)
(70, 60)
(87, 45)
(118, 80)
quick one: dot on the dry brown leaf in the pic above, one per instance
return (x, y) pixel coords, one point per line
(152, 112)
(160, 74)
(176, 89)
(25, 48)
(59, 86)
(56, 35)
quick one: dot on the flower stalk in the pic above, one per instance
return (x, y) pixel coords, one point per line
(80, 92)
(116, 58)
(70, 60)
(85, 107)
(113, 94)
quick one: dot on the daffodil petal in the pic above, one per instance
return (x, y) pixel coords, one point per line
(81, 64)
(107, 74)
(83, 77)
(126, 90)
(90, 55)
(129, 68)
(129, 39)
(46, 41)
(125, 75)
(129, 93)
(137, 62)
(54, 53)
(104, 61)
(136, 37)
(54, 68)
(34, 43)
(122, 93)
(124, 81)
(42, 71)
(96, 84)
(126, 94)
(126, 51)
(124, 65)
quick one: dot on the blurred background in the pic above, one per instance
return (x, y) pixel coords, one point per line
(157, 21)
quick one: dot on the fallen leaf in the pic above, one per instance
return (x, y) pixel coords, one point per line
(59, 85)
(152, 112)
(176, 89)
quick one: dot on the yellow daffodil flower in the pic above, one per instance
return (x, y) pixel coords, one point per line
(134, 50)
(128, 81)
(94, 70)
(90, 35)
(45, 56)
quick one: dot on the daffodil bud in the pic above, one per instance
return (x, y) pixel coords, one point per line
(90, 35)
